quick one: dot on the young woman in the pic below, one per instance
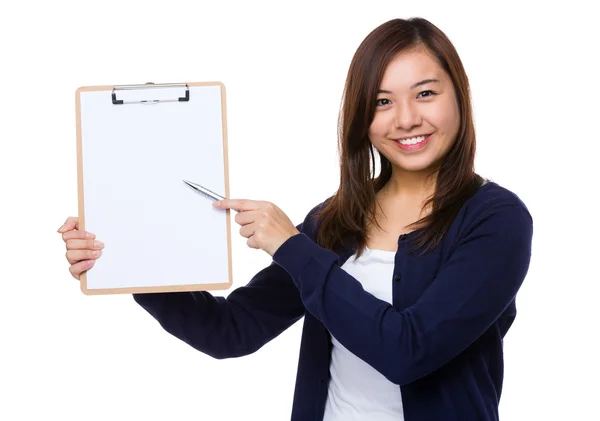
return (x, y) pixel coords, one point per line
(406, 280)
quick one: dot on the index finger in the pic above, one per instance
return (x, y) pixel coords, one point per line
(237, 204)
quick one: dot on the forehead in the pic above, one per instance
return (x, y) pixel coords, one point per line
(409, 67)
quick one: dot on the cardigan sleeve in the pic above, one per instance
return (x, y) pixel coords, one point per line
(234, 326)
(471, 290)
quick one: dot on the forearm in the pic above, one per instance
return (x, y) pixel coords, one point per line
(234, 326)
(469, 293)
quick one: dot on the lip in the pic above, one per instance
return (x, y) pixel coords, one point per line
(415, 147)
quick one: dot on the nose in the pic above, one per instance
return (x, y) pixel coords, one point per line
(407, 116)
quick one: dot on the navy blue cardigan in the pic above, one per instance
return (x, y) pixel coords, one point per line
(440, 340)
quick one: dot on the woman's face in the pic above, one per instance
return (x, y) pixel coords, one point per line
(417, 116)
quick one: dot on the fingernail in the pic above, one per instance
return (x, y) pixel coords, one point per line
(89, 235)
(61, 227)
(96, 253)
(217, 204)
(98, 244)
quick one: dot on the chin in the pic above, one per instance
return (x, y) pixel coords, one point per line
(414, 164)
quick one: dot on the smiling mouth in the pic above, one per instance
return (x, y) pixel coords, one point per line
(412, 140)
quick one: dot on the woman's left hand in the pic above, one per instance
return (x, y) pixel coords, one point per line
(264, 225)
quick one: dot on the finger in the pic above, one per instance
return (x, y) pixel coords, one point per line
(71, 223)
(247, 230)
(74, 234)
(78, 268)
(75, 256)
(237, 204)
(78, 244)
(252, 243)
(247, 217)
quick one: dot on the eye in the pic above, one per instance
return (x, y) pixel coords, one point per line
(379, 102)
(429, 91)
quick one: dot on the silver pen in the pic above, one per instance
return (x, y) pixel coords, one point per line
(206, 192)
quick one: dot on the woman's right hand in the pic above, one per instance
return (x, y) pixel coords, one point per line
(82, 247)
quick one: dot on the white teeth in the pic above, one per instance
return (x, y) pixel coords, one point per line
(412, 140)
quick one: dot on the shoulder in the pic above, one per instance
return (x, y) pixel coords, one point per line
(494, 209)
(494, 193)
(311, 223)
(491, 196)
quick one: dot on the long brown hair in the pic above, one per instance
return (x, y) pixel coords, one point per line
(346, 215)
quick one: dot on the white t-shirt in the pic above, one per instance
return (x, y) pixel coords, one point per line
(356, 390)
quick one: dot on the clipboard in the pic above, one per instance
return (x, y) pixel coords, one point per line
(135, 145)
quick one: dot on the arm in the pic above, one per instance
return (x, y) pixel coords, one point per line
(238, 325)
(471, 290)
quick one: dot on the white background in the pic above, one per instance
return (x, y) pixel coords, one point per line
(534, 84)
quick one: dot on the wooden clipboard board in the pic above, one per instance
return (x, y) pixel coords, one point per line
(135, 145)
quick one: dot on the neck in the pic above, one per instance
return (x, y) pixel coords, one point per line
(416, 185)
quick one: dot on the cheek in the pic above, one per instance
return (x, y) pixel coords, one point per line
(380, 125)
(376, 129)
(453, 116)
(446, 119)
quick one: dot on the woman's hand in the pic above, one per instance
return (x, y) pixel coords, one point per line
(264, 225)
(82, 247)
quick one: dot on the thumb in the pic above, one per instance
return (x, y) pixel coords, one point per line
(70, 224)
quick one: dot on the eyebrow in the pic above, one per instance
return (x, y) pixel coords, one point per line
(423, 82)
